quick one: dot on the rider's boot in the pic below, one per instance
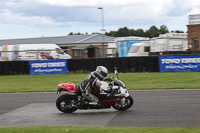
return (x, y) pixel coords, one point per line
(93, 100)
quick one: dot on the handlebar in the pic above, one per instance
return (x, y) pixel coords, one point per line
(108, 79)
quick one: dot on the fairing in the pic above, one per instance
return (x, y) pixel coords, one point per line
(71, 87)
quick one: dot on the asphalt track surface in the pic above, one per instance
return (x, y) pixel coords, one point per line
(152, 108)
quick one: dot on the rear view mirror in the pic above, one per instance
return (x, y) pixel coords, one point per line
(116, 73)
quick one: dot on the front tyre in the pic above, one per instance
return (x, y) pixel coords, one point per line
(124, 104)
(64, 103)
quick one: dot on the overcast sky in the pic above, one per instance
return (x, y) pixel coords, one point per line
(37, 18)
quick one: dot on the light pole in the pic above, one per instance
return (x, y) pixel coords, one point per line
(103, 30)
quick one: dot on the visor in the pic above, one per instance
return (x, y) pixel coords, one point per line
(103, 74)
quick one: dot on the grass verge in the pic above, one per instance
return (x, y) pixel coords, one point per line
(96, 130)
(133, 81)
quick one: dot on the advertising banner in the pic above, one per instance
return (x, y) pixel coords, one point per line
(179, 63)
(48, 67)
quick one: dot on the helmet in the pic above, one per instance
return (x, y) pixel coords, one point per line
(102, 72)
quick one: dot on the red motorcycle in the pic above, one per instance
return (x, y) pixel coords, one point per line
(113, 94)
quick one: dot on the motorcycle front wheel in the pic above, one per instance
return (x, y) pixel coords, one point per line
(123, 104)
(64, 103)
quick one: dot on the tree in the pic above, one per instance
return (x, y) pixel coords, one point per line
(111, 33)
(71, 33)
(177, 31)
(152, 32)
(122, 32)
(140, 32)
(163, 29)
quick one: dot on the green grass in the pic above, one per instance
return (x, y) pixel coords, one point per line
(178, 80)
(96, 130)
(133, 81)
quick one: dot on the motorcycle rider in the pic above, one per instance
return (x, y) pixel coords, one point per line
(93, 81)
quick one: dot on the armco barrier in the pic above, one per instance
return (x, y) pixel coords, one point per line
(124, 64)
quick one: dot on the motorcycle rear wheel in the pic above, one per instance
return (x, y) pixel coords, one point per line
(64, 103)
(121, 107)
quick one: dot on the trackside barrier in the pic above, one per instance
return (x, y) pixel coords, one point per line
(14, 67)
(45, 67)
(124, 64)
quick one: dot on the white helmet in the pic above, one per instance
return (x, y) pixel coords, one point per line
(101, 72)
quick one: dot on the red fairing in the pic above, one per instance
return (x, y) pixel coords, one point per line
(111, 101)
(71, 87)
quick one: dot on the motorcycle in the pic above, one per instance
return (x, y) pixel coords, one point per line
(113, 94)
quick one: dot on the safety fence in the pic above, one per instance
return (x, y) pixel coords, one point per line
(124, 64)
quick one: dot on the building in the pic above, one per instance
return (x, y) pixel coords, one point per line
(194, 33)
(77, 46)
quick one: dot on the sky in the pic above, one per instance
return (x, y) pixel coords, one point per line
(46, 18)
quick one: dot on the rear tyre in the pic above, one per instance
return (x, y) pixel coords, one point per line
(124, 104)
(64, 103)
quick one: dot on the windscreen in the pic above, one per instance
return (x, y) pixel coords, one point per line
(119, 83)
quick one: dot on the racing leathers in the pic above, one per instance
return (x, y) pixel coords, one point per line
(89, 83)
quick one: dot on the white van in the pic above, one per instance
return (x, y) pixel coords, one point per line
(139, 49)
(5, 54)
(32, 52)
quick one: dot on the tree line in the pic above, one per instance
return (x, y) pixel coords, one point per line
(153, 31)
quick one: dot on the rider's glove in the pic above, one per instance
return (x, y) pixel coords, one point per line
(108, 79)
